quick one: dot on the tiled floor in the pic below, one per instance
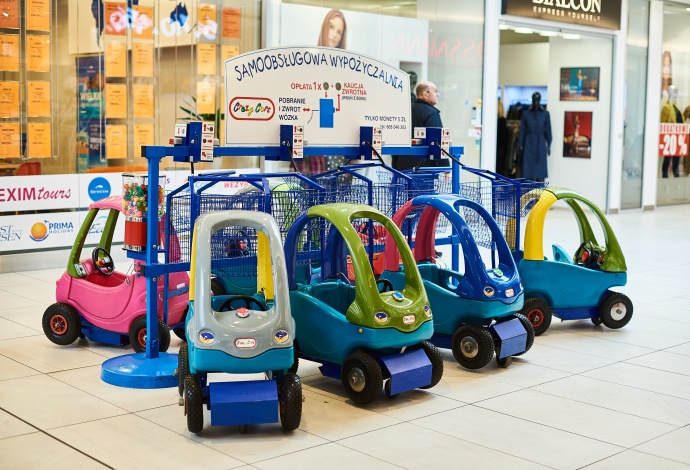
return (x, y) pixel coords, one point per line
(583, 397)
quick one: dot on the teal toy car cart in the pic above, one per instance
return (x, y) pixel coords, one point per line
(576, 287)
(359, 335)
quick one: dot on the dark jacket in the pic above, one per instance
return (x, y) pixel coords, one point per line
(423, 115)
(534, 140)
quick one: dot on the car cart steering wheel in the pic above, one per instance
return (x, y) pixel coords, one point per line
(587, 256)
(248, 300)
(387, 285)
(102, 261)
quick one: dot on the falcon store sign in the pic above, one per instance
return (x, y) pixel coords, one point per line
(598, 13)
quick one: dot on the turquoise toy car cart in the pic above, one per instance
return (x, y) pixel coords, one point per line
(239, 334)
(476, 310)
(577, 287)
(357, 334)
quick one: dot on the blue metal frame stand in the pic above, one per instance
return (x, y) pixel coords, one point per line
(154, 369)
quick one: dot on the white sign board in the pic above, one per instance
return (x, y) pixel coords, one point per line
(331, 92)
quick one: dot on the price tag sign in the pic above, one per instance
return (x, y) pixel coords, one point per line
(673, 140)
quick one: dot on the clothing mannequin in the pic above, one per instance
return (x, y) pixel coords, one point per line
(535, 140)
(670, 113)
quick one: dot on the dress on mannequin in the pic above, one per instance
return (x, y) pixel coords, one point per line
(671, 114)
(535, 140)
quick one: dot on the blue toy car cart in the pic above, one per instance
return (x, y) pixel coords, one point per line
(476, 310)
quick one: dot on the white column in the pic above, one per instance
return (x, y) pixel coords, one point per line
(492, 11)
(651, 128)
(613, 202)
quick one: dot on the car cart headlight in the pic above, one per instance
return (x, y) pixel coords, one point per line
(427, 311)
(510, 292)
(381, 318)
(206, 337)
(281, 336)
(489, 291)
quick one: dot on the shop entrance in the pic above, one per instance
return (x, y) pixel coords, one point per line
(572, 74)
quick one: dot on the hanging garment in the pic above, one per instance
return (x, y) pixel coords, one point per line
(535, 140)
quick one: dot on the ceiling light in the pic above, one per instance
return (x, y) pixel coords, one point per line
(571, 36)
(548, 33)
(687, 9)
(523, 31)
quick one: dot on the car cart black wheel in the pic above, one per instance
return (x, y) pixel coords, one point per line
(217, 287)
(473, 346)
(182, 367)
(362, 378)
(295, 363)
(137, 335)
(504, 362)
(616, 310)
(193, 403)
(596, 321)
(61, 324)
(434, 356)
(387, 389)
(538, 313)
(180, 331)
(290, 402)
(527, 325)
(244, 428)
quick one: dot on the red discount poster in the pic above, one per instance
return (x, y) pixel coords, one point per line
(673, 140)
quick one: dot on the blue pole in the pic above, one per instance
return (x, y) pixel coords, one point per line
(152, 340)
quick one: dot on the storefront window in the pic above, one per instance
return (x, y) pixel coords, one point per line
(674, 114)
(636, 83)
(86, 84)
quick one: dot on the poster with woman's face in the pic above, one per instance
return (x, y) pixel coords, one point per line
(577, 134)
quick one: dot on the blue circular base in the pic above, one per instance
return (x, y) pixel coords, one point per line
(137, 371)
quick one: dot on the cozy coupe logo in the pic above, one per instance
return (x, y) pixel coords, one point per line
(248, 108)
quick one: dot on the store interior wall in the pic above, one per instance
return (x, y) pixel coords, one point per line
(523, 65)
(539, 64)
(584, 175)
